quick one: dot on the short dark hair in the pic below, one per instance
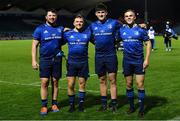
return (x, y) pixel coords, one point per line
(100, 7)
(130, 10)
(52, 10)
(79, 16)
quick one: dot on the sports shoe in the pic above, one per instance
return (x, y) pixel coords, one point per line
(114, 108)
(166, 49)
(141, 114)
(44, 111)
(130, 110)
(81, 107)
(102, 108)
(71, 108)
(55, 108)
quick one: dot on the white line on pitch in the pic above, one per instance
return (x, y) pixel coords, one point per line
(38, 85)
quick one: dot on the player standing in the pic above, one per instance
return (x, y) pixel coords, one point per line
(49, 36)
(168, 35)
(77, 65)
(151, 34)
(134, 62)
(106, 63)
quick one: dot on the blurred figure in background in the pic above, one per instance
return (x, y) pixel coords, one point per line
(168, 34)
(151, 34)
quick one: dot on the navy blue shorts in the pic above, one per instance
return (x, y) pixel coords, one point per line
(80, 69)
(108, 64)
(51, 68)
(130, 68)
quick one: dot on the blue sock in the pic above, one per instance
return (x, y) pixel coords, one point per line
(71, 99)
(141, 96)
(81, 96)
(44, 103)
(114, 101)
(54, 102)
(104, 100)
(130, 96)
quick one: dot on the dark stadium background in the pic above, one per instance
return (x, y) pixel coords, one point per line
(19, 17)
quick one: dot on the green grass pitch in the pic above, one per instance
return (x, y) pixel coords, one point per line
(20, 86)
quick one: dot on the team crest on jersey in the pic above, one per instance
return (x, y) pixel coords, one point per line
(95, 28)
(78, 40)
(85, 36)
(136, 33)
(45, 32)
(59, 30)
(110, 26)
(71, 37)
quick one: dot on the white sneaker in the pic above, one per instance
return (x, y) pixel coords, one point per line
(169, 49)
(166, 49)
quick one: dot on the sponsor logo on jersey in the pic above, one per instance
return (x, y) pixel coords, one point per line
(53, 35)
(136, 33)
(102, 31)
(130, 40)
(110, 26)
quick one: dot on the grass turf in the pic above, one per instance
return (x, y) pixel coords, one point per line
(20, 86)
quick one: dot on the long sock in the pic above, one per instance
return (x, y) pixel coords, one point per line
(81, 96)
(141, 96)
(114, 102)
(54, 102)
(130, 96)
(104, 100)
(44, 103)
(71, 99)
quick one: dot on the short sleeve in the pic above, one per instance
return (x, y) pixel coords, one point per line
(37, 34)
(89, 29)
(118, 24)
(145, 36)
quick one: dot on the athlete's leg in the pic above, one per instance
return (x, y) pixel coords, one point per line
(141, 93)
(71, 92)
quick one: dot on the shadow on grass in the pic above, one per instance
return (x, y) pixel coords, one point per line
(95, 100)
(92, 100)
(154, 101)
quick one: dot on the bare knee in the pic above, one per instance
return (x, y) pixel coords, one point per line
(140, 81)
(129, 82)
(55, 83)
(140, 85)
(44, 83)
(103, 80)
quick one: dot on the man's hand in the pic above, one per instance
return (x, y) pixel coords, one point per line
(145, 64)
(35, 65)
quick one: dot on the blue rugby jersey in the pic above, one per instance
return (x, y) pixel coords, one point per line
(104, 36)
(77, 45)
(50, 39)
(133, 39)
